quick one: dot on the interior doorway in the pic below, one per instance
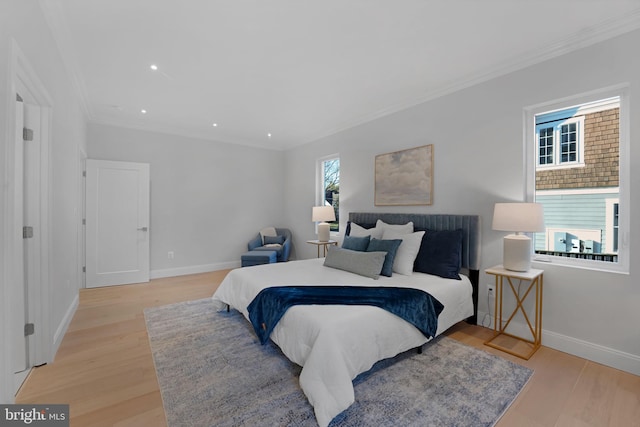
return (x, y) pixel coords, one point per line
(27, 225)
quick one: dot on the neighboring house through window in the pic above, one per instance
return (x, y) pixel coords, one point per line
(577, 170)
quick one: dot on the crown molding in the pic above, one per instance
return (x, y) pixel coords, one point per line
(57, 23)
(606, 30)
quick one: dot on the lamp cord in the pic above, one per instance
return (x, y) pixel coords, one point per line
(489, 314)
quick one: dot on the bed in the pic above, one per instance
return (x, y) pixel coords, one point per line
(335, 343)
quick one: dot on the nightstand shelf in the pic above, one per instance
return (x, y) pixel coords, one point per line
(502, 340)
(324, 245)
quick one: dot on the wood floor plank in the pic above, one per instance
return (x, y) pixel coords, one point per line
(104, 368)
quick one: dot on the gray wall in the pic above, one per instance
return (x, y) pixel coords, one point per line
(478, 151)
(68, 141)
(208, 199)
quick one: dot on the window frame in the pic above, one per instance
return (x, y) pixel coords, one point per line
(531, 159)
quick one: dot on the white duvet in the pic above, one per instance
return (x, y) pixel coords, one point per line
(335, 343)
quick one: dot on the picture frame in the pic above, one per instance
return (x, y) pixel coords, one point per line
(404, 178)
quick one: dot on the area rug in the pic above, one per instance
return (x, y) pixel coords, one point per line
(212, 371)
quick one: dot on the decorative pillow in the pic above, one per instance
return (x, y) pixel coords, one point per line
(358, 231)
(269, 240)
(366, 264)
(440, 253)
(407, 252)
(356, 243)
(400, 229)
(388, 246)
(267, 231)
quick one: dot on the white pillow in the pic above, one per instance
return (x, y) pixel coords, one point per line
(267, 231)
(358, 231)
(407, 252)
(399, 229)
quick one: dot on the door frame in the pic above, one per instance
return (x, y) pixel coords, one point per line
(23, 79)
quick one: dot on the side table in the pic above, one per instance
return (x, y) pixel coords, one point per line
(532, 280)
(324, 245)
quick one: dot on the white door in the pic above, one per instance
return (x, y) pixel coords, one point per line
(117, 208)
(18, 294)
(28, 227)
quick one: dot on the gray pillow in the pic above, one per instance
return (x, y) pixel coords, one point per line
(366, 264)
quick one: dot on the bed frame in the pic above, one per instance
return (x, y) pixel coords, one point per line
(470, 224)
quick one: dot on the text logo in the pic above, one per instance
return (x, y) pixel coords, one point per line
(34, 415)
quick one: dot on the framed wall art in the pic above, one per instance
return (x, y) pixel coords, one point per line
(404, 178)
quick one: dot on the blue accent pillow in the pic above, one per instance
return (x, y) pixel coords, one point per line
(440, 254)
(388, 246)
(279, 240)
(359, 244)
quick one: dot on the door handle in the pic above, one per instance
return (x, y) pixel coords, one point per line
(143, 229)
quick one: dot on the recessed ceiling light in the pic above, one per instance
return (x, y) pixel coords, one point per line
(143, 111)
(154, 67)
(215, 125)
(269, 135)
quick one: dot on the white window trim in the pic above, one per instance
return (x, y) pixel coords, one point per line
(530, 151)
(557, 164)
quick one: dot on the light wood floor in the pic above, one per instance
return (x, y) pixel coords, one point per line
(105, 371)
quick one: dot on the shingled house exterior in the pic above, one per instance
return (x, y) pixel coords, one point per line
(577, 180)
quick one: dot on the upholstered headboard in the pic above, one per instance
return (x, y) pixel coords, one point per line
(469, 224)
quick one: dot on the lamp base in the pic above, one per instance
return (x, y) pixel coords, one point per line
(323, 232)
(516, 255)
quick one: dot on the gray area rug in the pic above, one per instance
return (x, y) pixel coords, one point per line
(212, 371)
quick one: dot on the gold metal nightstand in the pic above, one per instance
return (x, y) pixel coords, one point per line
(534, 278)
(318, 243)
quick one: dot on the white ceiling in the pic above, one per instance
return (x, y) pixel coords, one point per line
(302, 69)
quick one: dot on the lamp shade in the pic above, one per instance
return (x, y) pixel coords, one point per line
(518, 217)
(323, 213)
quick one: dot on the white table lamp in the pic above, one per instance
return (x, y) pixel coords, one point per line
(322, 214)
(519, 218)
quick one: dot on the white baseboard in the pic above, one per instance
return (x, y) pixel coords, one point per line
(595, 352)
(63, 326)
(193, 269)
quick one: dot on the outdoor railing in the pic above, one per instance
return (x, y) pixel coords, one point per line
(581, 255)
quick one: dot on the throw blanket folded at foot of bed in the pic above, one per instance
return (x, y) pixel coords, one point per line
(413, 305)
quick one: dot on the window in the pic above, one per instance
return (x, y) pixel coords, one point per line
(560, 142)
(578, 169)
(329, 187)
(613, 229)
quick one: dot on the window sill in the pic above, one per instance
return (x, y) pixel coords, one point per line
(545, 260)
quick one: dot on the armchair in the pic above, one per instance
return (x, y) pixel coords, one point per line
(283, 252)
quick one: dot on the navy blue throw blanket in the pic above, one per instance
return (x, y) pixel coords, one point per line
(413, 305)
